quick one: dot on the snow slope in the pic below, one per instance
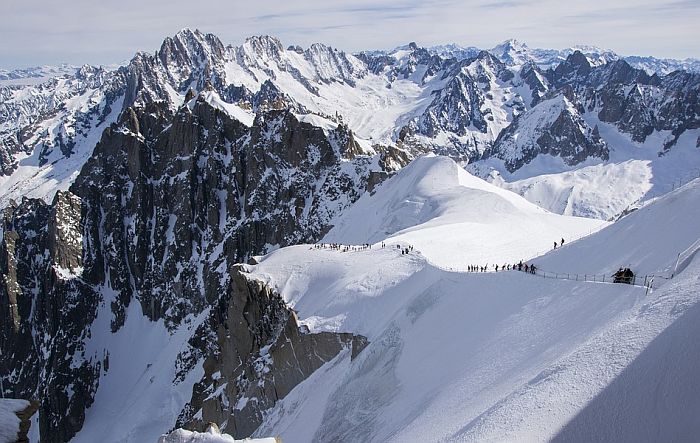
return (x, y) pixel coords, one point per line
(138, 398)
(212, 435)
(499, 356)
(634, 173)
(454, 218)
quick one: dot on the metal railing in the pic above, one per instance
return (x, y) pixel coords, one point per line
(644, 282)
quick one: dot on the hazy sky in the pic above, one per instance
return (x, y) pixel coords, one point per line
(97, 31)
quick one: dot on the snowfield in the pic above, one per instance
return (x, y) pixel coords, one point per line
(634, 174)
(508, 356)
(454, 218)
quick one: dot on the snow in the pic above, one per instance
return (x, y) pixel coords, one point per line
(372, 107)
(9, 422)
(453, 218)
(137, 399)
(211, 436)
(507, 356)
(453, 355)
(600, 191)
(232, 110)
(634, 173)
(36, 180)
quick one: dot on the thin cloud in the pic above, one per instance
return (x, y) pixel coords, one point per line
(501, 5)
(85, 31)
(678, 5)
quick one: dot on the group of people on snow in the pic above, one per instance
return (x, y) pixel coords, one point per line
(404, 249)
(351, 248)
(342, 248)
(623, 276)
(560, 244)
(506, 267)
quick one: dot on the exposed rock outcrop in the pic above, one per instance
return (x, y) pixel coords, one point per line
(261, 355)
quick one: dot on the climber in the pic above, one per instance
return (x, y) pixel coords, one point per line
(617, 277)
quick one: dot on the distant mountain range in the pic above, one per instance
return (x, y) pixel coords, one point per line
(515, 53)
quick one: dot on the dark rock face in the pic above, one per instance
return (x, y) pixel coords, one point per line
(261, 355)
(160, 213)
(53, 310)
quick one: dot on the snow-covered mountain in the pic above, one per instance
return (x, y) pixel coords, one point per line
(35, 75)
(458, 356)
(516, 53)
(132, 196)
(409, 101)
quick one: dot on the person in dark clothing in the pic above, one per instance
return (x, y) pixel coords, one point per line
(533, 269)
(555, 245)
(562, 242)
(520, 266)
(628, 276)
(527, 268)
(617, 277)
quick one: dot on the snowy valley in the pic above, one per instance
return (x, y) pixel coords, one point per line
(282, 241)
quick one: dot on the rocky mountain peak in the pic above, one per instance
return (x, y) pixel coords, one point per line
(619, 71)
(334, 65)
(576, 66)
(190, 47)
(512, 52)
(263, 46)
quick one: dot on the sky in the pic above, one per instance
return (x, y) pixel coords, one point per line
(36, 32)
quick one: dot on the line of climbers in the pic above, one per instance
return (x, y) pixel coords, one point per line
(350, 248)
(560, 245)
(341, 247)
(506, 267)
